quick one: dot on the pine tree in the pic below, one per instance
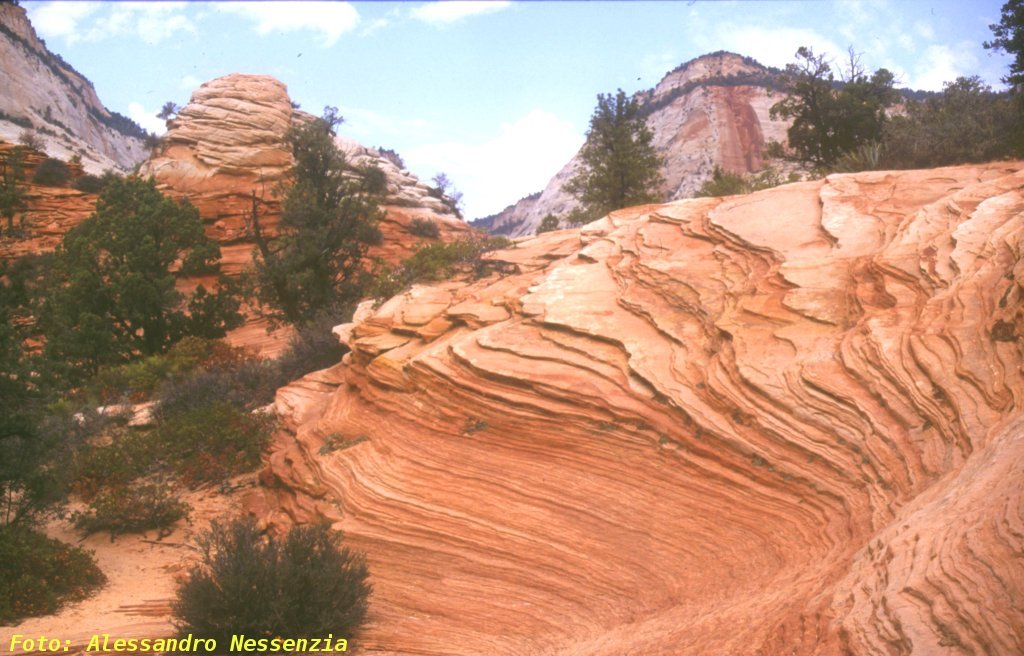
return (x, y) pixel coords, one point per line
(619, 167)
(1009, 37)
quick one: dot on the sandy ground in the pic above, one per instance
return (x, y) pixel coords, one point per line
(142, 573)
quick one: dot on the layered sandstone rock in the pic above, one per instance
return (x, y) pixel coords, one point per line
(228, 143)
(48, 212)
(711, 111)
(43, 93)
(227, 146)
(784, 423)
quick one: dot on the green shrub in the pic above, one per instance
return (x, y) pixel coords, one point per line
(131, 454)
(132, 509)
(90, 183)
(424, 228)
(38, 574)
(245, 385)
(724, 183)
(548, 224)
(52, 173)
(311, 348)
(214, 441)
(438, 261)
(303, 585)
(94, 184)
(136, 381)
(865, 157)
(967, 122)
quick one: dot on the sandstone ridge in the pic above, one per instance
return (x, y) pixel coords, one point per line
(784, 423)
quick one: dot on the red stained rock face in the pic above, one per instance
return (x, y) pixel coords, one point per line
(784, 423)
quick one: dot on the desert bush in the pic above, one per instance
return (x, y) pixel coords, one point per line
(38, 574)
(30, 140)
(52, 173)
(548, 224)
(303, 585)
(424, 228)
(138, 380)
(90, 183)
(725, 183)
(132, 509)
(131, 454)
(244, 385)
(311, 348)
(865, 157)
(213, 441)
(94, 184)
(437, 261)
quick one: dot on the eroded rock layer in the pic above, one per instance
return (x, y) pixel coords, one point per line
(784, 423)
(228, 143)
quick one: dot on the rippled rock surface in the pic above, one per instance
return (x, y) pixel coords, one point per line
(783, 423)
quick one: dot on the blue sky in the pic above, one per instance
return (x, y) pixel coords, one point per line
(496, 94)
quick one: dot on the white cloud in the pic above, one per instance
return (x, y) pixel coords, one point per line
(59, 19)
(520, 160)
(362, 124)
(772, 46)
(329, 19)
(924, 29)
(450, 11)
(940, 63)
(189, 83)
(374, 25)
(152, 22)
(147, 119)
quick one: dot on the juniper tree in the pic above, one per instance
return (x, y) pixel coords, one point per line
(111, 292)
(12, 191)
(329, 216)
(832, 117)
